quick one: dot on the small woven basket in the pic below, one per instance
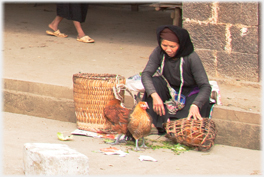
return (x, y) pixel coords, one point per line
(193, 133)
(91, 92)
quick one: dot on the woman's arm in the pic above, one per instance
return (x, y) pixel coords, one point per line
(151, 67)
(146, 78)
(201, 80)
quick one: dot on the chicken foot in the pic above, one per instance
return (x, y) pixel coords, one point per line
(137, 148)
(143, 145)
(117, 141)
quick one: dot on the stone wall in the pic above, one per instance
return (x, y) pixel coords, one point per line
(226, 37)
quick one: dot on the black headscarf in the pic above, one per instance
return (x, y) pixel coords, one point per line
(186, 45)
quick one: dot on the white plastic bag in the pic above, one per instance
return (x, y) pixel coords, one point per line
(134, 83)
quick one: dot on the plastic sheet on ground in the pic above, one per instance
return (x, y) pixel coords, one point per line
(93, 134)
(147, 158)
(113, 151)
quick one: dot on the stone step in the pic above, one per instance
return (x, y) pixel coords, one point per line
(236, 127)
(53, 159)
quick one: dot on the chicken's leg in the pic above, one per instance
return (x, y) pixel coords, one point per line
(137, 148)
(143, 143)
(117, 141)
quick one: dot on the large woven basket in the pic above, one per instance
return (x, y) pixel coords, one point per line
(193, 133)
(91, 93)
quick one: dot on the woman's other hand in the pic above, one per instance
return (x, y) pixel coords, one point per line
(158, 105)
(194, 112)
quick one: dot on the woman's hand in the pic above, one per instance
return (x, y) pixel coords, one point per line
(194, 112)
(158, 105)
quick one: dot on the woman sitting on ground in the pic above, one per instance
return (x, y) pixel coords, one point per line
(174, 43)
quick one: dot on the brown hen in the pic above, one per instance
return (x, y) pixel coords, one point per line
(118, 117)
(193, 136)
(140, 123)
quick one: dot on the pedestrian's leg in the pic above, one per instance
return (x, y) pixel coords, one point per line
(54, 24)
(81, 35)
(79, 29)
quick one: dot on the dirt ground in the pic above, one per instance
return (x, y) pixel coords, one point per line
(123, 42)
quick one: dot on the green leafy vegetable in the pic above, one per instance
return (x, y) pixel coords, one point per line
(62, 138)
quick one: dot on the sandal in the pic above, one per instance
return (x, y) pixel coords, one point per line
(56, 33)
(85, 39)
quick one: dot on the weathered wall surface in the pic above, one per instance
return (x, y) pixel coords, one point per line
(226, 37)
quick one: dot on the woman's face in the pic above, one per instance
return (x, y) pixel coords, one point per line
(169, 47)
